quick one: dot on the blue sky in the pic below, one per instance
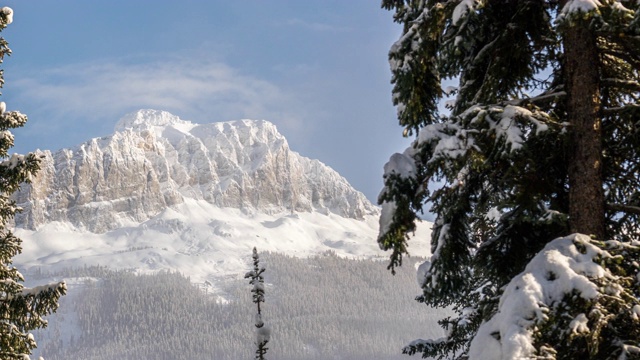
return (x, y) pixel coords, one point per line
(317, 69)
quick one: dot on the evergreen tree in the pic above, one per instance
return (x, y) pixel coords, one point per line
(263, 333)
(21, 309)
(540, 139)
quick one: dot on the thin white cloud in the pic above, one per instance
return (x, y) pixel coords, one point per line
(197, 90)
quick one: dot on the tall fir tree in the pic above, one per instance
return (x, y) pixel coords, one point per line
(21, 309)
(539, 140)
(263, 332)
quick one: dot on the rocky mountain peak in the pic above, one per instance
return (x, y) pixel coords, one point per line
(155, 160)
(146, 118)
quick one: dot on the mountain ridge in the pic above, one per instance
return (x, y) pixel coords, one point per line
(155, 160)
(163, 193)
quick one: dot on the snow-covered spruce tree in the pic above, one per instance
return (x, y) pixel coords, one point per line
(21, 309)
(263, 332)
(539, 140)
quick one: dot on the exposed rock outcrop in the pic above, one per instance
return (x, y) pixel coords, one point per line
(155, 160)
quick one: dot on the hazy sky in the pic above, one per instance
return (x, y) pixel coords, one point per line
(316, 68)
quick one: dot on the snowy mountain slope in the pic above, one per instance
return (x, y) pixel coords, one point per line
(155, 160)
(201, 240)
(163, 193)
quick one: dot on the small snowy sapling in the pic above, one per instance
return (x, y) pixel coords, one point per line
(263, 332)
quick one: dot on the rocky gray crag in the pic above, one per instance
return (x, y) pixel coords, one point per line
(155, 160)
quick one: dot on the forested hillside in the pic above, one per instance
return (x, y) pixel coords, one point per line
(323, 307)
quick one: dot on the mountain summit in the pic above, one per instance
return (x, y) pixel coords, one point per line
(163, 193)
(155, 160)
(144, 119)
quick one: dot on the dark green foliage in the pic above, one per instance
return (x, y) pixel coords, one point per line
(21, 309)
(495, 162)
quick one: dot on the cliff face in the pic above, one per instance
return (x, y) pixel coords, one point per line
(155, 160)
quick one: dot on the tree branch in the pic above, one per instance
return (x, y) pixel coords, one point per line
(618, 109)
(622, 84)
(533, 100)
(624, 208)
(626, 57)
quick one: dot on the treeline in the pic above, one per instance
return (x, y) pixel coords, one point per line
(323, 307)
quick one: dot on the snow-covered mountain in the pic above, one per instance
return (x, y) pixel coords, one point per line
(154, 160)
(164, 193)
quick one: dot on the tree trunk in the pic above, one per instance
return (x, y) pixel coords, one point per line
(586, 195)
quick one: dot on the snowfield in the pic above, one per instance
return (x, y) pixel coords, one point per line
(203, 241)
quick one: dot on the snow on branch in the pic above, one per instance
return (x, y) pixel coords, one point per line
(464, 7)
(579, 6)
(450, 139)
(60, 287)
(6, 16)
(507, 122)
(535, 99)
(401, 62)
(421, 345)
(402, 166)
(573, 265)
(12, 120)
(397, 217)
